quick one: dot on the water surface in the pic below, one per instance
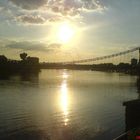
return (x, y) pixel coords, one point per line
(64, 105)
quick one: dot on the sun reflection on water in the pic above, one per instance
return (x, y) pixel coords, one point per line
(64, 98)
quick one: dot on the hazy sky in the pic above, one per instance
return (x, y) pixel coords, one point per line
(93, 28)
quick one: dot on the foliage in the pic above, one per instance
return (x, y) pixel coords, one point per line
(23, 56)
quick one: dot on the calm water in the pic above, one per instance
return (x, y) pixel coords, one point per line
(64, 105)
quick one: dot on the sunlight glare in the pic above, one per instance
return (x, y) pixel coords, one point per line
(65, 32)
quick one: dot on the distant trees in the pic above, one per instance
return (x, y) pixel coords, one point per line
(134, 62)
(3, 59)
(23, 56)
(29, 60)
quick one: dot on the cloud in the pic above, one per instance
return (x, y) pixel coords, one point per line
(29, 4)
(65, 7)
(55, 19)
(33, 46)
(54, 45)
(30, 19)
(1, 9)
(73, 7)
(39, 12)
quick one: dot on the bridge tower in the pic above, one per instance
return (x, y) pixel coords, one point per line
(139, 64)
(139, 55)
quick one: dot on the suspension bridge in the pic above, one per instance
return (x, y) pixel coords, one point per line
(115, 55)
(126, 61)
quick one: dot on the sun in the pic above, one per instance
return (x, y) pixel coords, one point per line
(65, 32)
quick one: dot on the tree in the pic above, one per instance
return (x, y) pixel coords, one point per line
(23, 56)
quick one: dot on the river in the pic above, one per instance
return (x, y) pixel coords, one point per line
(64, 105)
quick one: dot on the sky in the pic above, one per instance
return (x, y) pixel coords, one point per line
(63, 30)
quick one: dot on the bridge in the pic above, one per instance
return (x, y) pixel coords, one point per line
(125, 62)
(103, 58)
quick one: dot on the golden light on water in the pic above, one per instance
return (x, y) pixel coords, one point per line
(64, 102)
(65, 76)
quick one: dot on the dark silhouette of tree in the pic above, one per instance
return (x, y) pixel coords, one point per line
(3, 59)
(23, 56)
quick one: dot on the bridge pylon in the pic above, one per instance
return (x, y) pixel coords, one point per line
(139, 55)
